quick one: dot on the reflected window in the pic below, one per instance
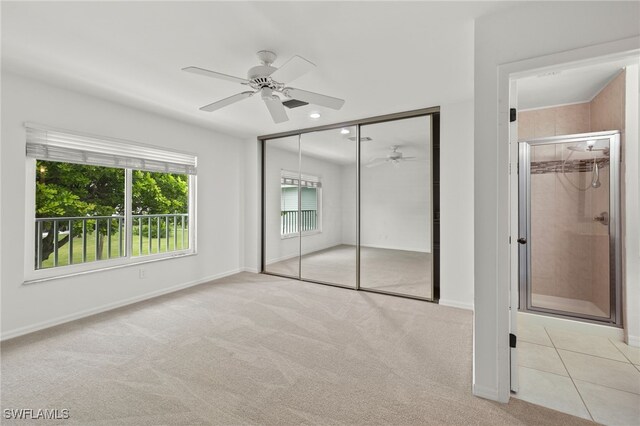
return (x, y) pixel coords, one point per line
(308, 219)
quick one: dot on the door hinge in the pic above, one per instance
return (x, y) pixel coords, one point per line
(512, 340)
(513, 114)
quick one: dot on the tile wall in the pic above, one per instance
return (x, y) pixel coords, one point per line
(570, 251)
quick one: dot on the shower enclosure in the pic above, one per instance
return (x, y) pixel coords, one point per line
(569, 227)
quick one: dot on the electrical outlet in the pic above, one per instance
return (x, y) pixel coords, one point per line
(142, 273)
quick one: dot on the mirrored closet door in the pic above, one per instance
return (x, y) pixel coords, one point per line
(396, 253)
(355, 205)
(281, 188)
(328, 206)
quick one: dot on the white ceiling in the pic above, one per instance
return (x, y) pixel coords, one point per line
(411, 135)
(568, 86)
(382, 57)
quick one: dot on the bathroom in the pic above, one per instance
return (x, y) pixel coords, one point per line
(577, 339)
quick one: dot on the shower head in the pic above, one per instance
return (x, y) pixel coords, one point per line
(589, 146)
(579, 148)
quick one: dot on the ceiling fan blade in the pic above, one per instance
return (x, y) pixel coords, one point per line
(295, 67)
(313, 98)
(213, 74)
(276, 109)
(409, 158)
(226, 101)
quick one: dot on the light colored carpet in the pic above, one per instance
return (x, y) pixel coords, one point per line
(396, 271)
(258, 349)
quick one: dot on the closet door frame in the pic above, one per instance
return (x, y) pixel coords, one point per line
(434, 113)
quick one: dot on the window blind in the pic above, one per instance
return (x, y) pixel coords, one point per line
(292, 178)
(55, 145)
(289, 199)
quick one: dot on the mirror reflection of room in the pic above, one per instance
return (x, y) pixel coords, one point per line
(395, 203)
(281, 186)
(311, 210)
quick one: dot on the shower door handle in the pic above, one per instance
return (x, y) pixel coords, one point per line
(522, 240)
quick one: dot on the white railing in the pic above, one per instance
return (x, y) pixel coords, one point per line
(103, 237)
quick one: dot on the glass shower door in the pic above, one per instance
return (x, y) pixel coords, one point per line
(568, 232)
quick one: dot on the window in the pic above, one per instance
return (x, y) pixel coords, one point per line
(308, 218)
(160, 212)
(101, 202)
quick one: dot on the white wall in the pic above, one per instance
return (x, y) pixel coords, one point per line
(394, 205)
(456, 205)
(631, 209)
(33, 306)
(251, 207)
(330, 174)
(395, 208)
(527, 31)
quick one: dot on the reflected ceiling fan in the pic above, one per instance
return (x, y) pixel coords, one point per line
(395, 157)
(270, 81)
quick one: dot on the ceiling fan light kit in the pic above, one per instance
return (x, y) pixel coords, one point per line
(269, 81)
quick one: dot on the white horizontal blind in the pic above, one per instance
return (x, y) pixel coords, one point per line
(55, 145)
(293, 178)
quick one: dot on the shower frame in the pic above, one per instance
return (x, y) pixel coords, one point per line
(524, 228)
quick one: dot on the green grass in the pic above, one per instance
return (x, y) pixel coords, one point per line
(165, 246)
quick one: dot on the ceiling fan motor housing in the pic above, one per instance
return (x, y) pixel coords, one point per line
(258, 77)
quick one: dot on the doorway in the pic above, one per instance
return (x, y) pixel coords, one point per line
(356, 205)
(570, 226)
(568, 199)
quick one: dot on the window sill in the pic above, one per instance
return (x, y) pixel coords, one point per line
(136, 262)
(304, 234)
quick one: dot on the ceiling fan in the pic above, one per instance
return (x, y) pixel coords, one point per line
(270, 81)
(395, 157)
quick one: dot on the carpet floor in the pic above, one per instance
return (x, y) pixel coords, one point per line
(396, 271)
(257, 349)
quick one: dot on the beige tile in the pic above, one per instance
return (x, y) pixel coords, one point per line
(544, 153)
(607, 108)
(551, 391)
(606, 372)
(540, 357)
(572, 119)
(610, 406)
(632, 354)
(533, 333)
(545, 122)
(585, 343)
(525, 125)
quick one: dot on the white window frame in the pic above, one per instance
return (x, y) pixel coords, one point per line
(318, 229)
(33, 275)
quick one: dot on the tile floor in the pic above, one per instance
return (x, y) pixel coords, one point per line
(589, 376)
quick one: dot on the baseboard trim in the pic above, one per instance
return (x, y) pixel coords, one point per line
(456, 304)
(291, 256)
(485, 392)
(110, 306)
(633, 341)
(417, 250)
(252, 270)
